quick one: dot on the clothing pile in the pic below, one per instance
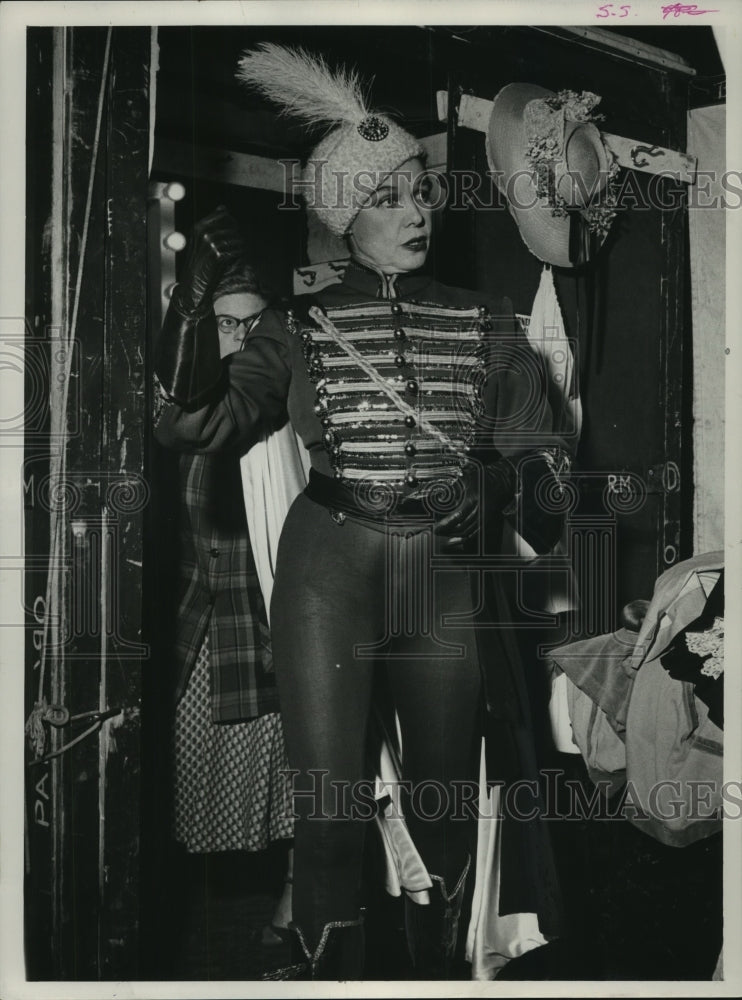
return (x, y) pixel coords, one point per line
(646, 706)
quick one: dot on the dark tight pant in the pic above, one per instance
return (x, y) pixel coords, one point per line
(338, 589)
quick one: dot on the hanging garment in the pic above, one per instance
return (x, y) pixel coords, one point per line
(547, 337)
(548, 583)
(674, 750)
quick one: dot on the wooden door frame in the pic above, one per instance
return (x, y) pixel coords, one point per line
(89, 90)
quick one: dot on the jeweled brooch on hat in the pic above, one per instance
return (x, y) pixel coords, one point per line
(373, 129)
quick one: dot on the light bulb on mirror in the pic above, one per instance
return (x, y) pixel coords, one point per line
(175, 241)
(174, 191)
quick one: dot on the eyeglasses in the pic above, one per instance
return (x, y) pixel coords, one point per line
(230, 324)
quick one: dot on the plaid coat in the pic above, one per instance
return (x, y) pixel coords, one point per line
(220, 592)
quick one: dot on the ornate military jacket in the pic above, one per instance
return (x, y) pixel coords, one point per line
(398, 390)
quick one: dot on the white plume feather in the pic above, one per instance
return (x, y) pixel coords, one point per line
(303, 85)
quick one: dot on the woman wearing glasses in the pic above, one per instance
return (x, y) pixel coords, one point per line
(230, 789)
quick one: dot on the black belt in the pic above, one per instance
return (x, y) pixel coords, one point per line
(370, 501)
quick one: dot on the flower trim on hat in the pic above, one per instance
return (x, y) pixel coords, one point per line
(576, 107)
(545, 123)
(710, 645)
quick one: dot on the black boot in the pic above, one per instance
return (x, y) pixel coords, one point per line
(432, 930)
(338, 956)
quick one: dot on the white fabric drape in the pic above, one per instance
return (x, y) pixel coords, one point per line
(547, 337)
(492, 940)
(707, 224)
(274, 472)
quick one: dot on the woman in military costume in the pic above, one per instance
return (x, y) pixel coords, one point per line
(425, 417)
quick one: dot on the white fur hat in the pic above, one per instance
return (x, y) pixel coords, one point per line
(362, 145)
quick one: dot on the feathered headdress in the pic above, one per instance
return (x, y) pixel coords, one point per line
(361, 143)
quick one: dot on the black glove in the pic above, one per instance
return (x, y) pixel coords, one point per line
(186, 356)
(215, 243)
(497, 481)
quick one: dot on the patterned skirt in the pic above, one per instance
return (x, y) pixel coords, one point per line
(230, 792)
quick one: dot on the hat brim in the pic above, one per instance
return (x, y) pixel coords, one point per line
(548, 236)
(507, 155)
